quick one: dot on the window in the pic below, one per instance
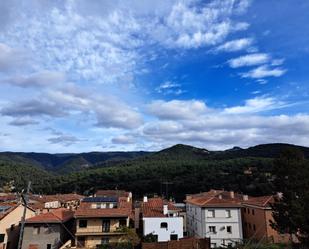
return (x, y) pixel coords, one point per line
(212, 229)
(252, 211)
(12, 227)
(98, 206)
(244, 210)
(213, 245)
(48, 246)
(2, 237)
(82, 223)
(211, 213)
(249, 225)
(163, 225)
(254, 228)
(229, 229)
(228, 214)
(174, 237)
(36, 230)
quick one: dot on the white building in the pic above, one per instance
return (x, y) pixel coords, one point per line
(161, 218)
(216, 215)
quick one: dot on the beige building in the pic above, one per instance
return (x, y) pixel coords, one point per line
(10, 217)
(99, 220)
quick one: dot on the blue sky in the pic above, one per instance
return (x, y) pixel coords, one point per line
(82, 75)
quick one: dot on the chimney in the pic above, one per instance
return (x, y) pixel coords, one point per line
(232, 195)
(220, 197)
(245, 197)
(145, 199)
(279, 195)
(165, 209)
(188, 197)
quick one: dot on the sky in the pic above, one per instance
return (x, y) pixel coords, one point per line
(80, 75)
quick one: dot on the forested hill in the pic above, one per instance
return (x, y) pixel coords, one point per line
(70, 162)
(188, 170)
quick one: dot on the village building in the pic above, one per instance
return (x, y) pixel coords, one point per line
(257, 217)
(48, 230)
(216, 215)
(161, 218)
(100, 220)
(10, 217)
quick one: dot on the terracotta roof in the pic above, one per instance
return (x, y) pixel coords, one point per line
(154, 207)
(261, 201)
(112, 193)
(123, 209)
(215, 198)
(59, 215)
(58, 197)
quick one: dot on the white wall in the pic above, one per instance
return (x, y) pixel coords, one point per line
(153, 225)
(198, 224)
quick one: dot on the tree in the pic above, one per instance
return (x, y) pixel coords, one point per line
(150, 238)
(291, 207)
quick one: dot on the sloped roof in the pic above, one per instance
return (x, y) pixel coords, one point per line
(123, 209)
(59, 215)
(215, 198)
(58, 197)
(111, 193)
(154, 207)
(261, 201)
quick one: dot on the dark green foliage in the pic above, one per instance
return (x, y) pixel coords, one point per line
(291, 212)
(188, 169)
(149, 238)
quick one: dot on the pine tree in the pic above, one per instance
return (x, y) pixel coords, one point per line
(291, 209)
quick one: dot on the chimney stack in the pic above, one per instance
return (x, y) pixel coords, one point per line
(245, 197)
(220, 197)
(165, 209)
(145, 199)
(232, 195)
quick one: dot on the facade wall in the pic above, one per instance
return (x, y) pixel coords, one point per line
(95, 225)
(48, 235)
(199, 223)
(152, 225)
(93, 241)
(12, 220)
(257, 225)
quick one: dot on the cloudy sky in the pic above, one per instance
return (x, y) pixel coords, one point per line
(80, 75)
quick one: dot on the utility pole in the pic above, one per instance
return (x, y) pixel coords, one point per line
(166, 187)
(23, 218)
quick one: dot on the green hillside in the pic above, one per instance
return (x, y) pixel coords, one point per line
(186, 169)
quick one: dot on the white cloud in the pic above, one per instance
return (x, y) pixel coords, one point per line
(249, 60)
(263, 72)
(235, 45)
(177, 109)
(258, 104)
(169, 87)
(10, 58)
(41, 79)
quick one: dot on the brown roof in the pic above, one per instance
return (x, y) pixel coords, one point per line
(112, 193)
(59, 197)
(261, 201)
(123, 209)
(215, 198)
(154, 207)
(59, 215)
